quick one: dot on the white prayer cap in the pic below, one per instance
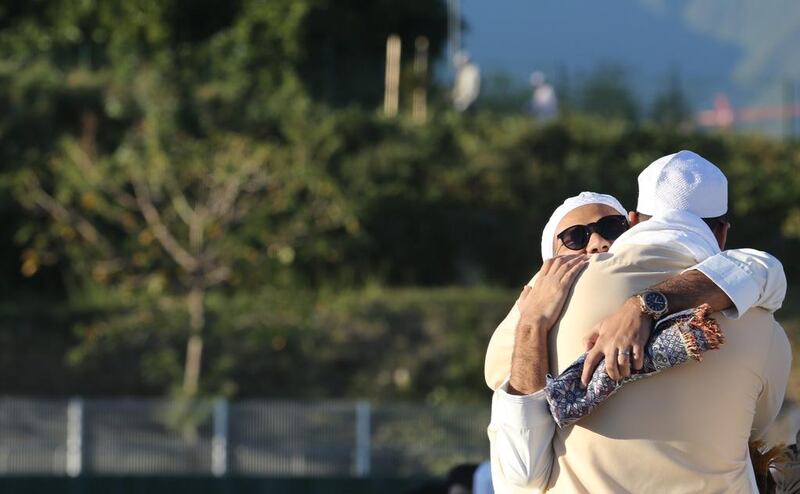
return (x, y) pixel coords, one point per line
(570, 204)
(684, 181)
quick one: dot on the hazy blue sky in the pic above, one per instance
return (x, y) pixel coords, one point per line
(518, 36)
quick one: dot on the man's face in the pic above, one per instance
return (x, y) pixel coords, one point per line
(584, 215)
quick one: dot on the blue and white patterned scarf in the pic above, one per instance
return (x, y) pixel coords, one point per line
(675, 339)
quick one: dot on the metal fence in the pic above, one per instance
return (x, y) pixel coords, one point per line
(263, 438)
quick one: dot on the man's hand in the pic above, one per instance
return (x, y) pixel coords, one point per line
(618, 338)
(540, 308)
(543, 303)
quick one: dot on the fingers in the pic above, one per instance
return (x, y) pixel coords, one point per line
(592, 359)
(557, 269)
(639, 344)
(638, 356)
(611, 364)
(547, 265)
(624, 362)
(576, 266)
(524, 293)
(565, 264)
(590, 340)
(551, 265)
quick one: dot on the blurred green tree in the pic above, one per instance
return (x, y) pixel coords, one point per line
(502, 94)
(168, 215)
(184, 155)
(671, 107)
(191, 180)
(607, 93)
(66, 64)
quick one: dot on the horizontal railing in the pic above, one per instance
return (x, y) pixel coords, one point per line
(242, 438)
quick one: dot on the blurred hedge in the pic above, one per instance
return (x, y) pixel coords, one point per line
(420, 344)
(464, 199)
(372, 311)
(458, 201)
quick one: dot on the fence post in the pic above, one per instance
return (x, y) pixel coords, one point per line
(219, 443)
(74, 460)
(391, 92)
(362, 456)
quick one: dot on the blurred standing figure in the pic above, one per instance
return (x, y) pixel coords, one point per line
(468, 82)
(459, 478)
(723, 111)
(544, 104)
(482, 479)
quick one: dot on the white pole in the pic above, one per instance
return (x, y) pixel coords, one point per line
(219, 443)
(362, 457)
(74, 437)
(391, 95)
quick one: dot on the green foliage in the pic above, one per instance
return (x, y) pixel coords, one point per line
(387, 344)
(608, 93)
(671, 107)
(344, 45)
(501, 93)
(175, 169)
(461, 200)
(167, 215)
(406, 343)
(182, 149)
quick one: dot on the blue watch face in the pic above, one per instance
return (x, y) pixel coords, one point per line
(656, 302)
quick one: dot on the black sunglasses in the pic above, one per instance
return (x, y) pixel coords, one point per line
(577, 237)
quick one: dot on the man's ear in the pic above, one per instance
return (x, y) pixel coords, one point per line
(633, 217)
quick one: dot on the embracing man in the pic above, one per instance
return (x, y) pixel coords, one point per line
(683, 430)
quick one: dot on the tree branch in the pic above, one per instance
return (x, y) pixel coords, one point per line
(222, 199)
(180, 203)
(216, 276)
(162, 234)
(60, 213)
(85, 163)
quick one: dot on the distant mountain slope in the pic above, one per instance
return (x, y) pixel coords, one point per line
(746, 48)
(767, 32)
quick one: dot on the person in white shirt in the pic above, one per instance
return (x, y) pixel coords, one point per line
(544, 104)
(467, 84)
(521, 428)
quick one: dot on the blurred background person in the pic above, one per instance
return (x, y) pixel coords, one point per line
(467, 83)
(544, 104)
(460, 478)
(482, 479)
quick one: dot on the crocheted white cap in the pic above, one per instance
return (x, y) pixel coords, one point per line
(571, 203)
(684, 181)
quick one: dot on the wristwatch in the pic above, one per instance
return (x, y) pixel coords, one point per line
(653, 303)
